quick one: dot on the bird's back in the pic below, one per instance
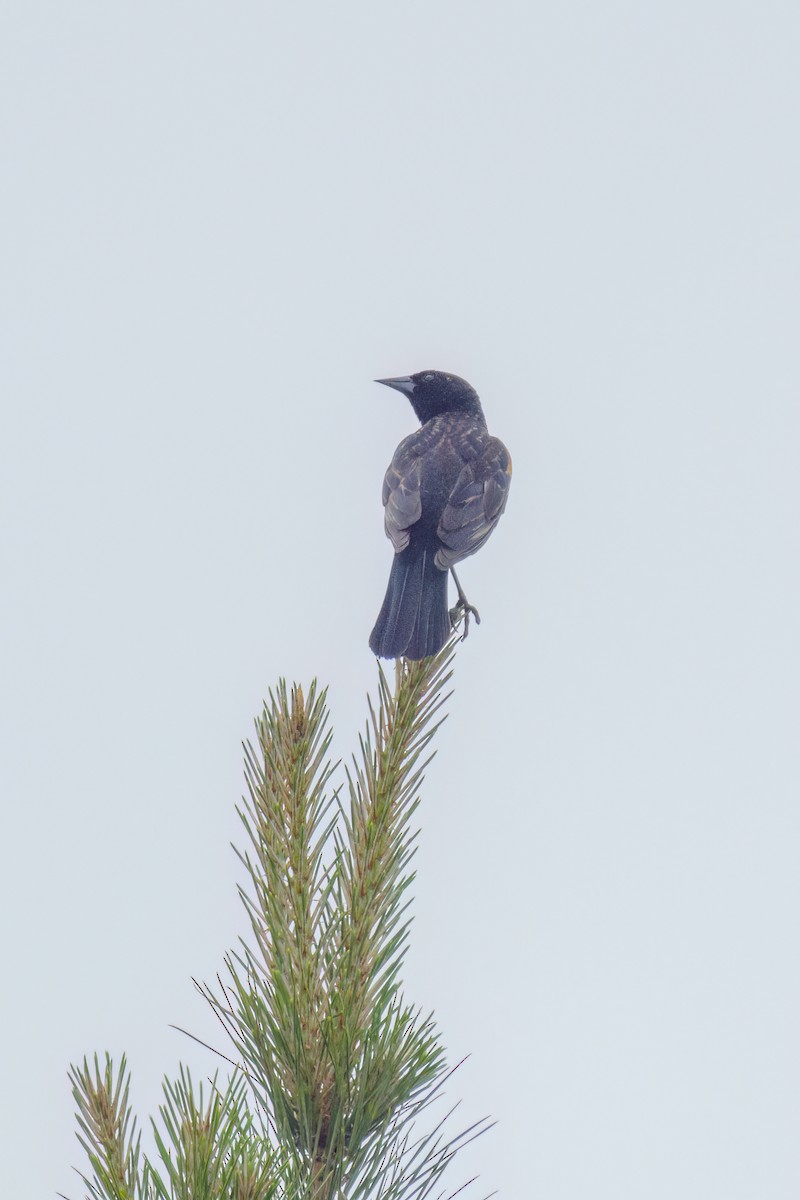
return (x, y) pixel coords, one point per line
(443, 446)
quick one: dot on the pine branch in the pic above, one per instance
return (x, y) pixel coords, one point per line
(107, 1132)
(339, 1067)
(377, 847)
(275, 1005)
(212, 1149)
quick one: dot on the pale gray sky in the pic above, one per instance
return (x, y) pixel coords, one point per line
(220, 223)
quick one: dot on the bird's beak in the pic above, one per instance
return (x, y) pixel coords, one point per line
(401, 383)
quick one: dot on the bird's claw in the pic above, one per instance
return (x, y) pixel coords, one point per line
(463, 609)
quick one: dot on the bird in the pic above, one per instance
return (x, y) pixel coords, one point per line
(443, 494)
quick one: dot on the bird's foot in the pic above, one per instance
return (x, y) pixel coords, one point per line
(462, 611)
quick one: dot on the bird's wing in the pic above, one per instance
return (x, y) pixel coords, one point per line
(475, 505)
(402, 494)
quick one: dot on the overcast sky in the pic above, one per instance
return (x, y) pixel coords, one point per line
(220, 224)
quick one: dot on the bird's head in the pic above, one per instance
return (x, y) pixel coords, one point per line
(435, 392)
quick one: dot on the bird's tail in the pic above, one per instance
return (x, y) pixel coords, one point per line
(414, 620)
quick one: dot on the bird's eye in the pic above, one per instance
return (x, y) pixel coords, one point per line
(429, 377)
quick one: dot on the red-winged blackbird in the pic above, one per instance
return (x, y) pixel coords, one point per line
(443, 494)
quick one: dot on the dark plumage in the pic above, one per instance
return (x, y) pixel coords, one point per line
(443, 494)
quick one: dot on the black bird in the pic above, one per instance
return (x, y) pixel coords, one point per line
(443, 494)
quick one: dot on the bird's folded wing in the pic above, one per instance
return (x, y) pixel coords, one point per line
(475, 505)
(402, 496)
